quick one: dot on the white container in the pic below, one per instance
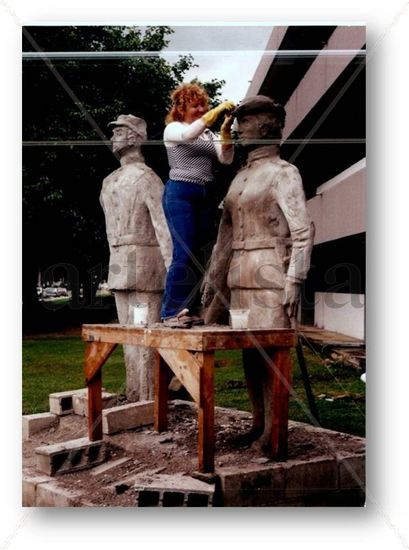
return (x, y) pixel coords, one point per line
(139, 315)
(239, 318)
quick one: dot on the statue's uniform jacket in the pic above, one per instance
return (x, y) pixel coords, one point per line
(137, 232)
(265, 233)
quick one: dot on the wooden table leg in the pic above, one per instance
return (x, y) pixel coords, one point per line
(96, 353)
(280, 379)
(206, 412)
(95, 407)
(162, 376)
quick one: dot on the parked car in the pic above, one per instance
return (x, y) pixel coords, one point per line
(54, 292)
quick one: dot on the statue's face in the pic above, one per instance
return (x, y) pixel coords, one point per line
(120, 139)
(251, 128)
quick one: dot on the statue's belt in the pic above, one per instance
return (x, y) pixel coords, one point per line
(254, 244)
(132, 238)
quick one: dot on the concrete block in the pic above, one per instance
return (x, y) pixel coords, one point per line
(126, 482)
(313, 477)
(351, 480)
(252, 486)
(80, 402)
(69, 456)
(292, 483)
(33, 423)
(29, 489)
(51, 495)
(351, 472)
(176, 490)
(127, 417)
(61, 403)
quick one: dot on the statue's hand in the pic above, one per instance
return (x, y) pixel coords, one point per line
(291, 300)
(207, 294)
(225, 130)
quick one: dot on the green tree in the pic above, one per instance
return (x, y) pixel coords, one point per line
(74, 99)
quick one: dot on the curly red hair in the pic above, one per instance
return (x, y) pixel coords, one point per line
(182, 96)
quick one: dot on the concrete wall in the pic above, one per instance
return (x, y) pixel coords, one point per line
(338, 209)
(266, 61)
(338, 312)
(322, 74)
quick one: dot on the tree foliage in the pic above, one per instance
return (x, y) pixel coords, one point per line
(74, 100)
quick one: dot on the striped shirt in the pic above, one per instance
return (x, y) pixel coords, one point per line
(192, 149)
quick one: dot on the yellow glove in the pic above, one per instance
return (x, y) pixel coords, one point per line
(211, 116)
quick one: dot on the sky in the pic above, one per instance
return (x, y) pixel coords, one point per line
(230, 53)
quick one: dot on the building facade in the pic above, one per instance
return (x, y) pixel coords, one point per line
(318, 74)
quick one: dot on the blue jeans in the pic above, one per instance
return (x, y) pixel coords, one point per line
(190, 215)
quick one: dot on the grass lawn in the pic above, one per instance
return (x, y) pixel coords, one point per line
(55, 364)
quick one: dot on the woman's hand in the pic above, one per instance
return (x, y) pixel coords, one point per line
(211, 116)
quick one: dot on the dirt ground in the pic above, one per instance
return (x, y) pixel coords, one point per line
(174, 451)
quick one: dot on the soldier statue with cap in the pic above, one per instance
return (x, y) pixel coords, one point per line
(139, 243)
(263, 249)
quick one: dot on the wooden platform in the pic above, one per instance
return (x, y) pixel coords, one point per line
(189, 354)
(326, 337)
(341, 348)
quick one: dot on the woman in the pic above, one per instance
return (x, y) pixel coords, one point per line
(192, 149)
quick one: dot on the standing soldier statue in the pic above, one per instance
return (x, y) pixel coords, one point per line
(139, 243)
(263, 249)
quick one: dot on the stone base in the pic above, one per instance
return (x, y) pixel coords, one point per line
(69, 456)
(322, 481)
(325, 468)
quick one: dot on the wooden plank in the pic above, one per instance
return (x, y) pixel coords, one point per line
(323, 336)
(249, 339)
(162, 378)
(116, 334)
(153, 337)
(206, 412)
(280, 377)
(95, 407)
(186, 367)
(96, 353)
(195, 339)
(174, 339)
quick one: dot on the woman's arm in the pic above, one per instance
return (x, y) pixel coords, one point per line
(225, 153)
(176, 132)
